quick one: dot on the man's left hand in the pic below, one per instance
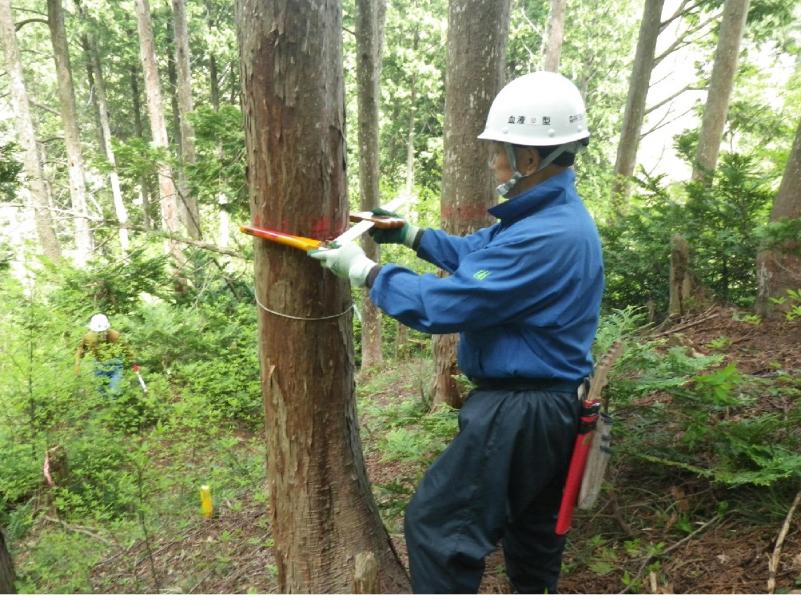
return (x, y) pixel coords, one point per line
(347, 261)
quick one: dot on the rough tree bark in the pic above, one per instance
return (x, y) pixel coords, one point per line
(779, 270)
(369, 34)
(634, 113)
(26, 136)
(556, 29)
(95, 69)
(72, 140)
(7, 576)
(323, 513)
(190, 212)
(477, 32)
(158, 127)
(721, 83)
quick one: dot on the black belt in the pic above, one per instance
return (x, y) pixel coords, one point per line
(524, 383)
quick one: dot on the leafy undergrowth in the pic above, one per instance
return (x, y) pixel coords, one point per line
(704, 472)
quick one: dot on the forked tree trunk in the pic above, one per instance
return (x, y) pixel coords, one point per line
(158, 128)
(72, 140)
(189, 205)
(477, 31)
(323, 513)
(721, 83)
(639, 82)
(556, 30)
(26, 136)
(369, 33)
(779, 270)
(7, 576)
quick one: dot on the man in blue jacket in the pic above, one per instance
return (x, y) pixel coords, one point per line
(525, 296)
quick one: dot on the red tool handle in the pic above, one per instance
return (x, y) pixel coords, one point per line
(285, 239)
(575, 472)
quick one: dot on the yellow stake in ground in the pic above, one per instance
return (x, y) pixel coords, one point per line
(206, 504)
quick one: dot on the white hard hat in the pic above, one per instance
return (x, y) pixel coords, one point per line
(537, 109)
(99, 322)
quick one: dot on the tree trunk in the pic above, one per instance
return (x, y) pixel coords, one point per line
(477, 32)
(26, 136)
(90, 79)
(369, 34)
(158, 127)
(7, 576)
(721, 83)
(190, 210)
(214, 83)
(323, 513)
(95, 69)
(680, 282)
(639, 83)
(556, 29)
(72, 141)
(779, 270)
(144, 181)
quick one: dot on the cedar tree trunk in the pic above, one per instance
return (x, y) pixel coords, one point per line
(323, 513)
(477, 32)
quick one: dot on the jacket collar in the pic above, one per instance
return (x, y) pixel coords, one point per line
(536, 198)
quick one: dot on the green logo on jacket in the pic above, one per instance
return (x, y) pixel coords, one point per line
(481, 275)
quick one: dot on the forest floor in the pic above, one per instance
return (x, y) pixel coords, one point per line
(647, 533)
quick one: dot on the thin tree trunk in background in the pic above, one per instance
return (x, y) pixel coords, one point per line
(214, 83)
(96, 71)
(369, 34)
(323, 513)
(190, 212)
(172, 90)
(410, 135)
(90, 78)
(26, 136)
(72, 141)
(7, 576)
(556, 29)
(639, 82)
(144, 181)
(721, 83)
(158, 127)
(477, 32)
(779, 270)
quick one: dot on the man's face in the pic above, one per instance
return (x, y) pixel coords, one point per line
(527, 162)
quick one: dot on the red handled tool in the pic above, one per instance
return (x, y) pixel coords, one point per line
(590, 409)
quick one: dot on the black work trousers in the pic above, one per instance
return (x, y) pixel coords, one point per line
(500, 479)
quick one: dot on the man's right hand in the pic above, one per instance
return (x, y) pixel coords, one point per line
(402, 235)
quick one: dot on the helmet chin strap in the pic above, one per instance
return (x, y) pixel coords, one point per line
(505, 188)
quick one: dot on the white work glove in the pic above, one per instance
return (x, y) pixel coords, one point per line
(347, 261)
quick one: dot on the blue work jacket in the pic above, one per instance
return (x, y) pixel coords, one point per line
(524, 293)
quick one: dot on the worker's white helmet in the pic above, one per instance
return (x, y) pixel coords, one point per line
(99, 322)
(537, 109)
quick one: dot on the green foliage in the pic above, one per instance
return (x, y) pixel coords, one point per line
(108, 286)
(10, 169)
(719, 222)
(219, 173)
(701, 420)
(717, 218)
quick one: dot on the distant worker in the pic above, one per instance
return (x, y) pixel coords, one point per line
(110, 352)
(525, 294)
